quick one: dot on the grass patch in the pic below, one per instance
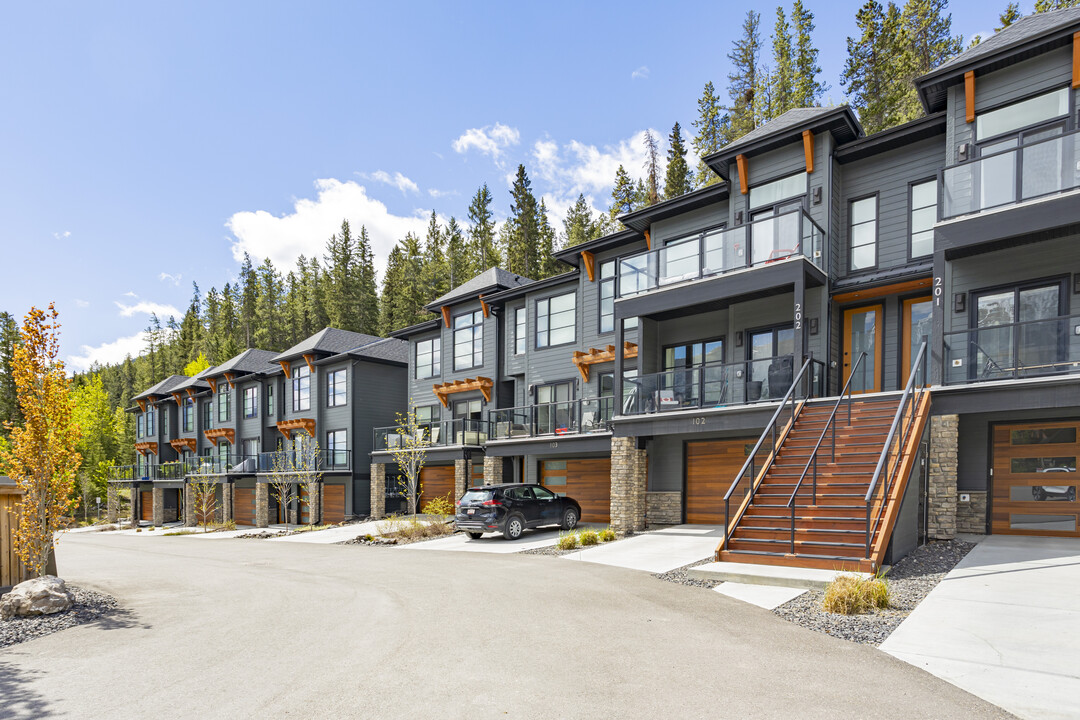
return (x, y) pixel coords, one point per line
(179, 532)
(411, 528)
(607, 535)
(589, 537)
(569, 541)
(309, 528)
(853, 595)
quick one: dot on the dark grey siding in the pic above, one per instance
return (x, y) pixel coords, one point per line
(688, 223)
(376, 396)
(249, 428)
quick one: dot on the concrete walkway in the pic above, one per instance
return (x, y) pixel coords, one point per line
(1004, 625)
(657, 551)
(336, 534)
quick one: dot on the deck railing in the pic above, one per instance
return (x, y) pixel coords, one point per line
(584, 415)
(1012, 351)
(441, 433)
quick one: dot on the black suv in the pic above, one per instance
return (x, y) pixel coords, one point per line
(510, 509)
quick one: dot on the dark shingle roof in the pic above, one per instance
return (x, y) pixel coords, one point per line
(250, 361)
(391, 349)
(1026, 28)
(492, 278)
(328, 340)
(197, 382)
(795, 117)
(162, 388)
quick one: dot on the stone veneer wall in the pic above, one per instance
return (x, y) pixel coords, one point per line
(189, 505)
(629, 476)
(112, 505)
(157, 513)
(378, 490)
(971, 515)
(941, 511)
(226, 502)
(461, 477)
(663, 508)
(493, 470)
(262, 504)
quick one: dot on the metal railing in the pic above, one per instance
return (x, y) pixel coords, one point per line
(217, 464)
(716, 385)
(770, 440)
(889, 463)
(719, 251)
(584, 415)
(1032, 170)
(295, 461)
(830, 424)
(1012, 351)
(440, 433)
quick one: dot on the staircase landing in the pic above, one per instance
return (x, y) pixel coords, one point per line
(778, 575)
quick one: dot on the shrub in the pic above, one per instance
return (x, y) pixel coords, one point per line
(851, 595)
(607, 535)
(567, 542)
(440, 506)
(590, 537)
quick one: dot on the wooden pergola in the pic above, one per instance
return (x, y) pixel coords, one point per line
(584, 360)
(482, 384)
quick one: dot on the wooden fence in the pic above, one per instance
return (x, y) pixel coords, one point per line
(11, 571)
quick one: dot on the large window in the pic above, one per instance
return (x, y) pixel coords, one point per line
(607, 296)
(223, 405)
(251, 401)
(428, 358)
(555, 319)
(337, 448)
(301, 388)
(520, 337)
(140, 425)
(1025, 113)
(923, 217)
(469, 340)
(208, 415)
(189, 415)
(165, 422)
(864, 233)
(336, 388)
(777, 190)
(270, 398)
(150, 421)
(250, 448)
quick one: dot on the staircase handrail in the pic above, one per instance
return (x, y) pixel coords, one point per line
(913, 394)
(770, 428)
(831, 423)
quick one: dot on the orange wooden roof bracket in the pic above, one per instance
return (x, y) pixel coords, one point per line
(285, 427)
(141, 402)
(229, 379)
(590, 264)
(191, 393)
(583, 360)
(969, 95)
(310, 360)
(648, 241)
(178, 398)
(146, 447)
(285, 367)
(189, 443)
(213, 384)
(744, 173)
(482, 384)
(227, 433)
(446, 315)
(484, 306)
(1076, 60)
(808, 149)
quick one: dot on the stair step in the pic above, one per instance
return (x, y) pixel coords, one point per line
(821, 562)
(802, 548)
(803, 521)
(801, 534)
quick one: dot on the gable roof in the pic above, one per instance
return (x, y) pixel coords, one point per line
(251, 360)
(330, 341)
(490, 280)
(1027, 37)
(387, 349)
(162, 388)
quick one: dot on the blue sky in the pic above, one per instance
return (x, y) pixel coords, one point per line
(147, 145)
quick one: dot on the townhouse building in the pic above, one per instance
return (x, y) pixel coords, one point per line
(845, 345)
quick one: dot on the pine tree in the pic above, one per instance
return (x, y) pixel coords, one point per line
(191, 329)
(874, 72)
(368, 282)
(713, 131)
(652, 170)
(342, 281)
(249, 283)
(782, 79)
(458, 261)
(579, 225)
(9, 396)
(806, 88)
(268, 333)
(677, 177)
(483, 252)
(624, 195)
(928, 33)
(436, 269)
(743, 83)
(393, 280)
(1042, 6)
(1008, 16)
(521, 230)
(545, 250)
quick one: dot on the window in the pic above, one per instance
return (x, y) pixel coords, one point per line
(250, 448)
(223, 401)
(607, 296)
(427, 413)
(223, 453)
(165, 422)
(864, 233)
(542, 493)
(150, 421)
(251, 401)
(208, 415)
(336, 388)
(140, 425)
(1022, 114)
(189, 415)
(555, 319)
(270, 399)
(337, 449)
(428, 358)
(777, 190)
(301, 388)
(923, 217)
(520, 337)
(469, 340)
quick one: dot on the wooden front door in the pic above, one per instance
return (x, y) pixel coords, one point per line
(146, 505)
(863, 332)
(918, 318)
(244, 506)
(436, 481)
(587, 480)
(711, 466)
(1034, 479)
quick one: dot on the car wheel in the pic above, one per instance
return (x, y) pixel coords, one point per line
(1071, 495)
(569, 519)
(475, 536)
(515, 525)
(1039, 493)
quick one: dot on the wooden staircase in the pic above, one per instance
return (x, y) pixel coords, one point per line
(832, 517)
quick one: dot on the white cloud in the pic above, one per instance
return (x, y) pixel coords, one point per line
(110, 352)
(441, 193)
(304, 231)
(174, 279)
(130, 294)
(62, 235)
(642, 73)
(580, 168)
(489, 140)
(397, 180)
(82, 303)
(147, 308)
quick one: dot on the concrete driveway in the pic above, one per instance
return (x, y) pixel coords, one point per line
(256, 629)
(496, 543)
(657, 551)
(1005, 625)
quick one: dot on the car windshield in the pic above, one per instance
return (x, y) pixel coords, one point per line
(476, 496)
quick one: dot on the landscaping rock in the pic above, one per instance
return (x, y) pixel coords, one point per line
(45, 595)
(89, 607)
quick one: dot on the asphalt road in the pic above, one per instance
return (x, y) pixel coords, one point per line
(244, 628)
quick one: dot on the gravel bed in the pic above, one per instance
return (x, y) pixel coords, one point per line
(89, 606)
(910, 580)
(552, 550)
(679, 576)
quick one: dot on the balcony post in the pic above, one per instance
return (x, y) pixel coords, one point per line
(936, 358)
(620, 336)
(799, 317)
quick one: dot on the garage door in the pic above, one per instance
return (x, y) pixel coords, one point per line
(587, 480)
(1034, 480)
(244, 506)
(333, 505)
(146, 505)
(436, 481)
(711, 466)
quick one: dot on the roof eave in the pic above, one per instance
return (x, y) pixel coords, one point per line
(640, 220)
(552, 281)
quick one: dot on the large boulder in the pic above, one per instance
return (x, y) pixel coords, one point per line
(41, 596)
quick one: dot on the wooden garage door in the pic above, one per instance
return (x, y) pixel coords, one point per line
(587, 480)
(436, 481)
(1035, 481)
(333, 503)
(244, 506)
(146, 505)
(711, 466)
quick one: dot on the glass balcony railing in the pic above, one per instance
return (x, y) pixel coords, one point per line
(297, 461)
(720, 251)
(1012, 351)
(1030, 171)
(231, 464)
(717, 385)
(585, 415)
(441, 433)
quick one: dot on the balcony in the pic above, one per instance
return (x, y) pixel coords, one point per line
(720, 251)
(1012, 351)
(717, 385)
(583, 416)
(230, 464)
(1033, 170)
(300, 461)
(444, 433)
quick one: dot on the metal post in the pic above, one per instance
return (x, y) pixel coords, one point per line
(793, 526)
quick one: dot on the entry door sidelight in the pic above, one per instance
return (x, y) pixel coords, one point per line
(1020, 333)
(863, 332)
(771, 363)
